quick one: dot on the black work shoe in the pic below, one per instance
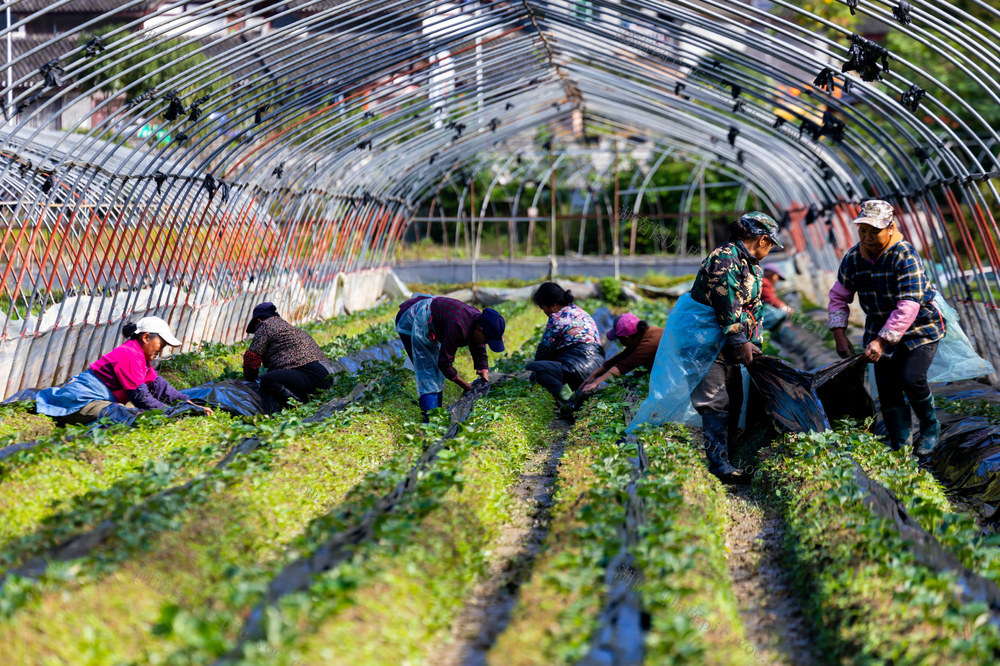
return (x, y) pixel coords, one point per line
(737, 477)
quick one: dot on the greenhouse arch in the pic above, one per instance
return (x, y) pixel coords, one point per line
(190, 159)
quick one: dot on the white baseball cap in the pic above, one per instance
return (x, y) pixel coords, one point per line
(159, 327)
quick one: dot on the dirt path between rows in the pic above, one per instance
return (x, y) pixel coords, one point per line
(488, 610)
(768, 606)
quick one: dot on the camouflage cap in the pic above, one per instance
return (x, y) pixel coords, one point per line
(876, 213)
(756, 223)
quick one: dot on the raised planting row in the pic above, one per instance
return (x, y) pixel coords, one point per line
(56, 481)
(874, 586)
(18, 422)
(925, 501)
(243, 518)
(675, 562)
(398, 597)
(681, 557)
(988, 410)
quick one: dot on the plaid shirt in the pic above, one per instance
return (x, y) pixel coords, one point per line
(730, 281)
(896, 275)
(452, 322)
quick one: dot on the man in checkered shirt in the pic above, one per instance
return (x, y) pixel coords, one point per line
(902, 326)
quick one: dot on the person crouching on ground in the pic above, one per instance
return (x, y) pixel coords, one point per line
(432, 328)
(123, 375)
(902, 325)
(640, 341)
(296, 366)
(570, 349)
(729, 281)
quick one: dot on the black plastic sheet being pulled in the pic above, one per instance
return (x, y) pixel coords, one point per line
(801, 401)
(967, 460)
(235, 396)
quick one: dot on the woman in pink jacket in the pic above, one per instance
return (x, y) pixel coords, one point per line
(123, 376)
(902, 325)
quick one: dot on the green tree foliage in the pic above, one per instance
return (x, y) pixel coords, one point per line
(138, 62)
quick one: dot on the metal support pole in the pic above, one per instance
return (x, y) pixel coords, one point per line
(615, 249)
(10, 74)
(553, 267)
(477, 230)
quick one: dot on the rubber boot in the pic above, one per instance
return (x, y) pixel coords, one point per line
(280, 395)
(715, 425)
(930, 429)
(429, 401)
(897, 426)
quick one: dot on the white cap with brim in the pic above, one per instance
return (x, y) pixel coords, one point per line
(159, 327)
(876, 213)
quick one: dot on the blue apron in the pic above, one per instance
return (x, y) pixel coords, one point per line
(416, 322)
(73, 396)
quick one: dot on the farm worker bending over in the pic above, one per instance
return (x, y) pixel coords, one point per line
(640, 341)
(123, 376)
(432, 328)
(729, 281)
(296, 366)
(902, 325)
(570, 348)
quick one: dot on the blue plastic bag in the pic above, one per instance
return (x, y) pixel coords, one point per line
(690, 344)
(416, 322)
(955, 358)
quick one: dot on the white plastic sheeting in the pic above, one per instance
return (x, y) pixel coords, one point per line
(55, 353)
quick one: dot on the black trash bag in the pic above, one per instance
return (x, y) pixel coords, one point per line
(841, 388)
(967, 457)
(24, 395)
(235, 396)
(789, 395)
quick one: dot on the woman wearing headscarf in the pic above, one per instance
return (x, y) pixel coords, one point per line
(570, 349)
(296, 366)
(902, 324)
(640, 342)
(122, 376)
